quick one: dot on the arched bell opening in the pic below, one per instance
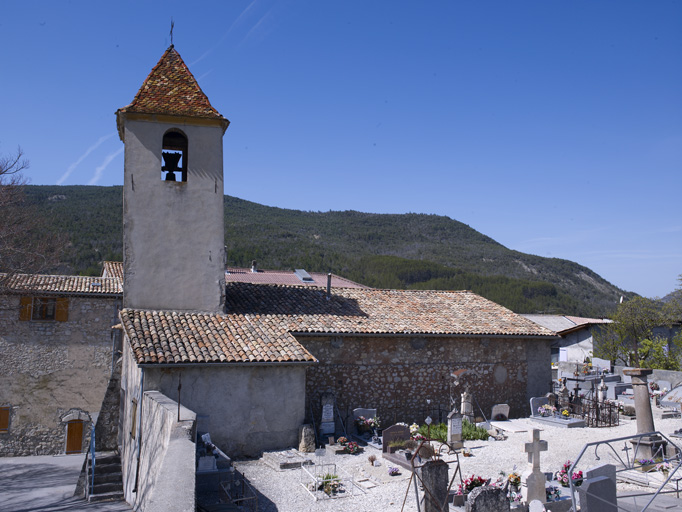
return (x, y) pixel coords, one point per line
(174, 154)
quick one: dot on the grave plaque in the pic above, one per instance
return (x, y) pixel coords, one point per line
(455, 430)
(327, 425)
(394, 433)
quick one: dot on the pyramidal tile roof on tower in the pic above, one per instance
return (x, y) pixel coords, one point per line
(171, 89)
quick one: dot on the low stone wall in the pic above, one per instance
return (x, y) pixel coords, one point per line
(166, 476)
(675, 378)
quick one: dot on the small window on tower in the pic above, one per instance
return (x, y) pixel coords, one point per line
(174, 155)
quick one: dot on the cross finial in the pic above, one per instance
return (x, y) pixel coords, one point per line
(171, 30)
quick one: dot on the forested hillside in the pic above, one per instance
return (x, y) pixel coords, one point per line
(387, 251)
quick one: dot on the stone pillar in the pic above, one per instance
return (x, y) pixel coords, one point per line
(467, 406)
(435, 481)
(648, 445)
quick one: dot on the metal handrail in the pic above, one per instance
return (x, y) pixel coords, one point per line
(92, 458)
(628, 464)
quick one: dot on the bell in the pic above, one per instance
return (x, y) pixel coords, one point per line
(171, 164)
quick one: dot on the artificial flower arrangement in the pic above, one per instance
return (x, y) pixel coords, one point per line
(565, 414)
(646, 464)
(469, 484)
(562, 476)
(414, 428)
(367, 423)
(418, 437)
(552, 493)
(393, 471)
(546, 410)
(514, 479)
(664, 467)
(351, 446)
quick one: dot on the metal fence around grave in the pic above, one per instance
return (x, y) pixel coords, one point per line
(593, 412)
(406, 413)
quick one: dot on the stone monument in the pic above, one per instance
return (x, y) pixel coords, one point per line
(533, 478)
(652, 446)
(327, 425)
(455, 430)
(467, 406)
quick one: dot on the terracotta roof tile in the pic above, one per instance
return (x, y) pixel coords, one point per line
(171, 337)
(112, 269)
(77, 285)
(262, 321)
(171, 89)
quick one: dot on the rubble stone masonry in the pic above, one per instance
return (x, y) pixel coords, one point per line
(396, 375)
(53, 371)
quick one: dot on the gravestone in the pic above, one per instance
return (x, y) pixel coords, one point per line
(535, 403)
(500, 412)
(664, 384)
(327, 424)
(394, 433)
(487, 499)
(598, 491)
(435, 479)
(534, 479)
(455, 430)
(306, 439)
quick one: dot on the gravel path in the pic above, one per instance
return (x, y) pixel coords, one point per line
(282, 491)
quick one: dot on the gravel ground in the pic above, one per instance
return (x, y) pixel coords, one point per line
(282, 490)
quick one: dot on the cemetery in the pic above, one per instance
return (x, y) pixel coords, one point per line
(519, 464)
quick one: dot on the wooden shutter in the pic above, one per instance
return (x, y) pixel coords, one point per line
(62, 313)
(26, 308)
(4, 419)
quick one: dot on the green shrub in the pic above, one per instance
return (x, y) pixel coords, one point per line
(470, 432)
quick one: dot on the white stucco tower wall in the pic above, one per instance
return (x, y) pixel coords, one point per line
(173, 231)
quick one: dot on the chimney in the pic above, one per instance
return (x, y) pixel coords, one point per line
(329, 286)
(254, 267)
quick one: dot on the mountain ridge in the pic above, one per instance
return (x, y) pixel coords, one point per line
(412, 250)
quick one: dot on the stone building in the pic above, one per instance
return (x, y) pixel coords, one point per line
(56, 358)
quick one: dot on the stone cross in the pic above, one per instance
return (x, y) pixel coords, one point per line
(467, 406)
(534, 479)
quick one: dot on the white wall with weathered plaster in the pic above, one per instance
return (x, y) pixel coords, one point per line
(247, 409)
(173, 232)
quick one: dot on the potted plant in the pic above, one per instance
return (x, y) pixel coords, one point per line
(468, 485)
(562, 476)
(546, 410)
(645, 465)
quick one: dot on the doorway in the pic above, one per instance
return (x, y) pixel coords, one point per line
(74, 436)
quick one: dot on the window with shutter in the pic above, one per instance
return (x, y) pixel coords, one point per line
(4, 419)
(26, 308)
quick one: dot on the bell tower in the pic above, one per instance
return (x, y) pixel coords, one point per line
(173, 213)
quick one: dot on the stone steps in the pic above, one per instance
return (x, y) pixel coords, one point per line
(108, 481)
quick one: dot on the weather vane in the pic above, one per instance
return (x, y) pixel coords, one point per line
(171, 30)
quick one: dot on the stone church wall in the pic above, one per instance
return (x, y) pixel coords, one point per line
(53, 371)
(396, 375)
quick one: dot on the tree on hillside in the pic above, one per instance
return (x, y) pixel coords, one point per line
(630, 338)
(25, 245)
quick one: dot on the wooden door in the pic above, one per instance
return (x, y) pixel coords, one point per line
(74, 436)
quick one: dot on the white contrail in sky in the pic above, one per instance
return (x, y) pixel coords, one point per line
(107, 160)
(73, 166)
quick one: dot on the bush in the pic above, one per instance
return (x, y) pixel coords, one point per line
(470, 432)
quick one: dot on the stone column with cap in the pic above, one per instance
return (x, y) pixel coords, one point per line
(646, 447)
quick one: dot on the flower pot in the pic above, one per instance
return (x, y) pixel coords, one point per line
(459, 500)
(646, 468)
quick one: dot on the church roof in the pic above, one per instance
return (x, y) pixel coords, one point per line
(74, 285)
(171, 89)
(263, 321)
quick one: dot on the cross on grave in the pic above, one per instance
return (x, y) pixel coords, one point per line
(534, 448)
(534, 479)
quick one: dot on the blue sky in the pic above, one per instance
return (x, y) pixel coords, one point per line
(554, 127)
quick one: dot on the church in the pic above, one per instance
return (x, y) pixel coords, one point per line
(248, 362)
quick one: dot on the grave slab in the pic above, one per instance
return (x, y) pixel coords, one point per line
(285, 459)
